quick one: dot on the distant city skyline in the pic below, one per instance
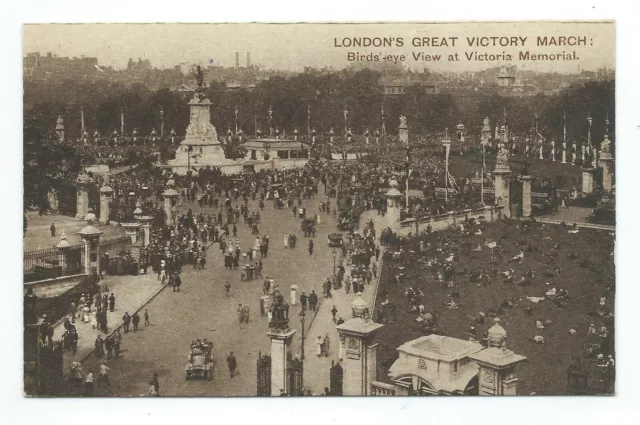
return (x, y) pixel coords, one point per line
(291, 47)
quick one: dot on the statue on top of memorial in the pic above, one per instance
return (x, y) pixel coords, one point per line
(605, 146)
(199, 75)
(503, 156)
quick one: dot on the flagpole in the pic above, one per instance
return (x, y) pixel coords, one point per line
(345, 120)
(236, 113)
(446, 165)
(161, 122)
(82, 121)
(308, 122)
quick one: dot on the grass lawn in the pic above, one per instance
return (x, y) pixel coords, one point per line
(38, 234)
(586, 271)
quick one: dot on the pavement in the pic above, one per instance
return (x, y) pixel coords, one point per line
(316, 369)
(131, 294)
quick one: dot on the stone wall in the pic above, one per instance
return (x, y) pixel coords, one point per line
(444, 221)
(51, 288)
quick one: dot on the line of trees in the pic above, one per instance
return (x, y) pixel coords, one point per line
(326, 96)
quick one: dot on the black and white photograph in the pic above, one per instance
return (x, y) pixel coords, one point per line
(319, 209)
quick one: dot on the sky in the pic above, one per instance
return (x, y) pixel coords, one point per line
(294, 46)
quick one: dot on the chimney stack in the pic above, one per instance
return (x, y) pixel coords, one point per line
(237, 59)
(248, 59)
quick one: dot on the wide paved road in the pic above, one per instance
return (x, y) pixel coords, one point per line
(201, 310)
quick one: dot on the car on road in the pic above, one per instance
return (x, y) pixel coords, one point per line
(335, 240)
(200, 360)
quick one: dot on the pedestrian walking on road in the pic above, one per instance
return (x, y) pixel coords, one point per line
(126, 319)
(293, 296)
(245, 311)
(310, 247)
(146, 318)
(319, 342)
(375, 270)
(108, 345)
(227, 288)
(135, 319)
(53, 230)
(240, 312)
(232, 363)
(377, 252)
(334, 310)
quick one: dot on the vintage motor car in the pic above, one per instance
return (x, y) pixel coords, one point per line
(335, 240)
(200, 360)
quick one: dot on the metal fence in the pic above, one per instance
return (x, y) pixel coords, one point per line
(52, 263)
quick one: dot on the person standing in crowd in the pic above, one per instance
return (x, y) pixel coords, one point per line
(232, 364)
(135, 319)
(319, 342)
(112, 302)
(313, 300)
(377, 252)
(103, 377)
(303, 301)
(126, 320)
(99, 346)
(88, 383)
(327, 344)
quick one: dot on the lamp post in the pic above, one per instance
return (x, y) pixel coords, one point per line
(302, 317)
(334, 253)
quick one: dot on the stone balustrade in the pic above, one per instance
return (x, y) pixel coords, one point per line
(381, 389)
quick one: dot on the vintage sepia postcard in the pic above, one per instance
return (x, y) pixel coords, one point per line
(372, 209)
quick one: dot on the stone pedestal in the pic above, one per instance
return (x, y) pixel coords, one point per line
(502, 185)
(145, 229)
(91, 239)
(606, 162)
(359, 355)
(496, 374)
(132, 230)
(587, 180)
(403, 133)
(392, 215)
(106, 194)
(526, 195)
(280, 346)
(82, 200)
(170, 206)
